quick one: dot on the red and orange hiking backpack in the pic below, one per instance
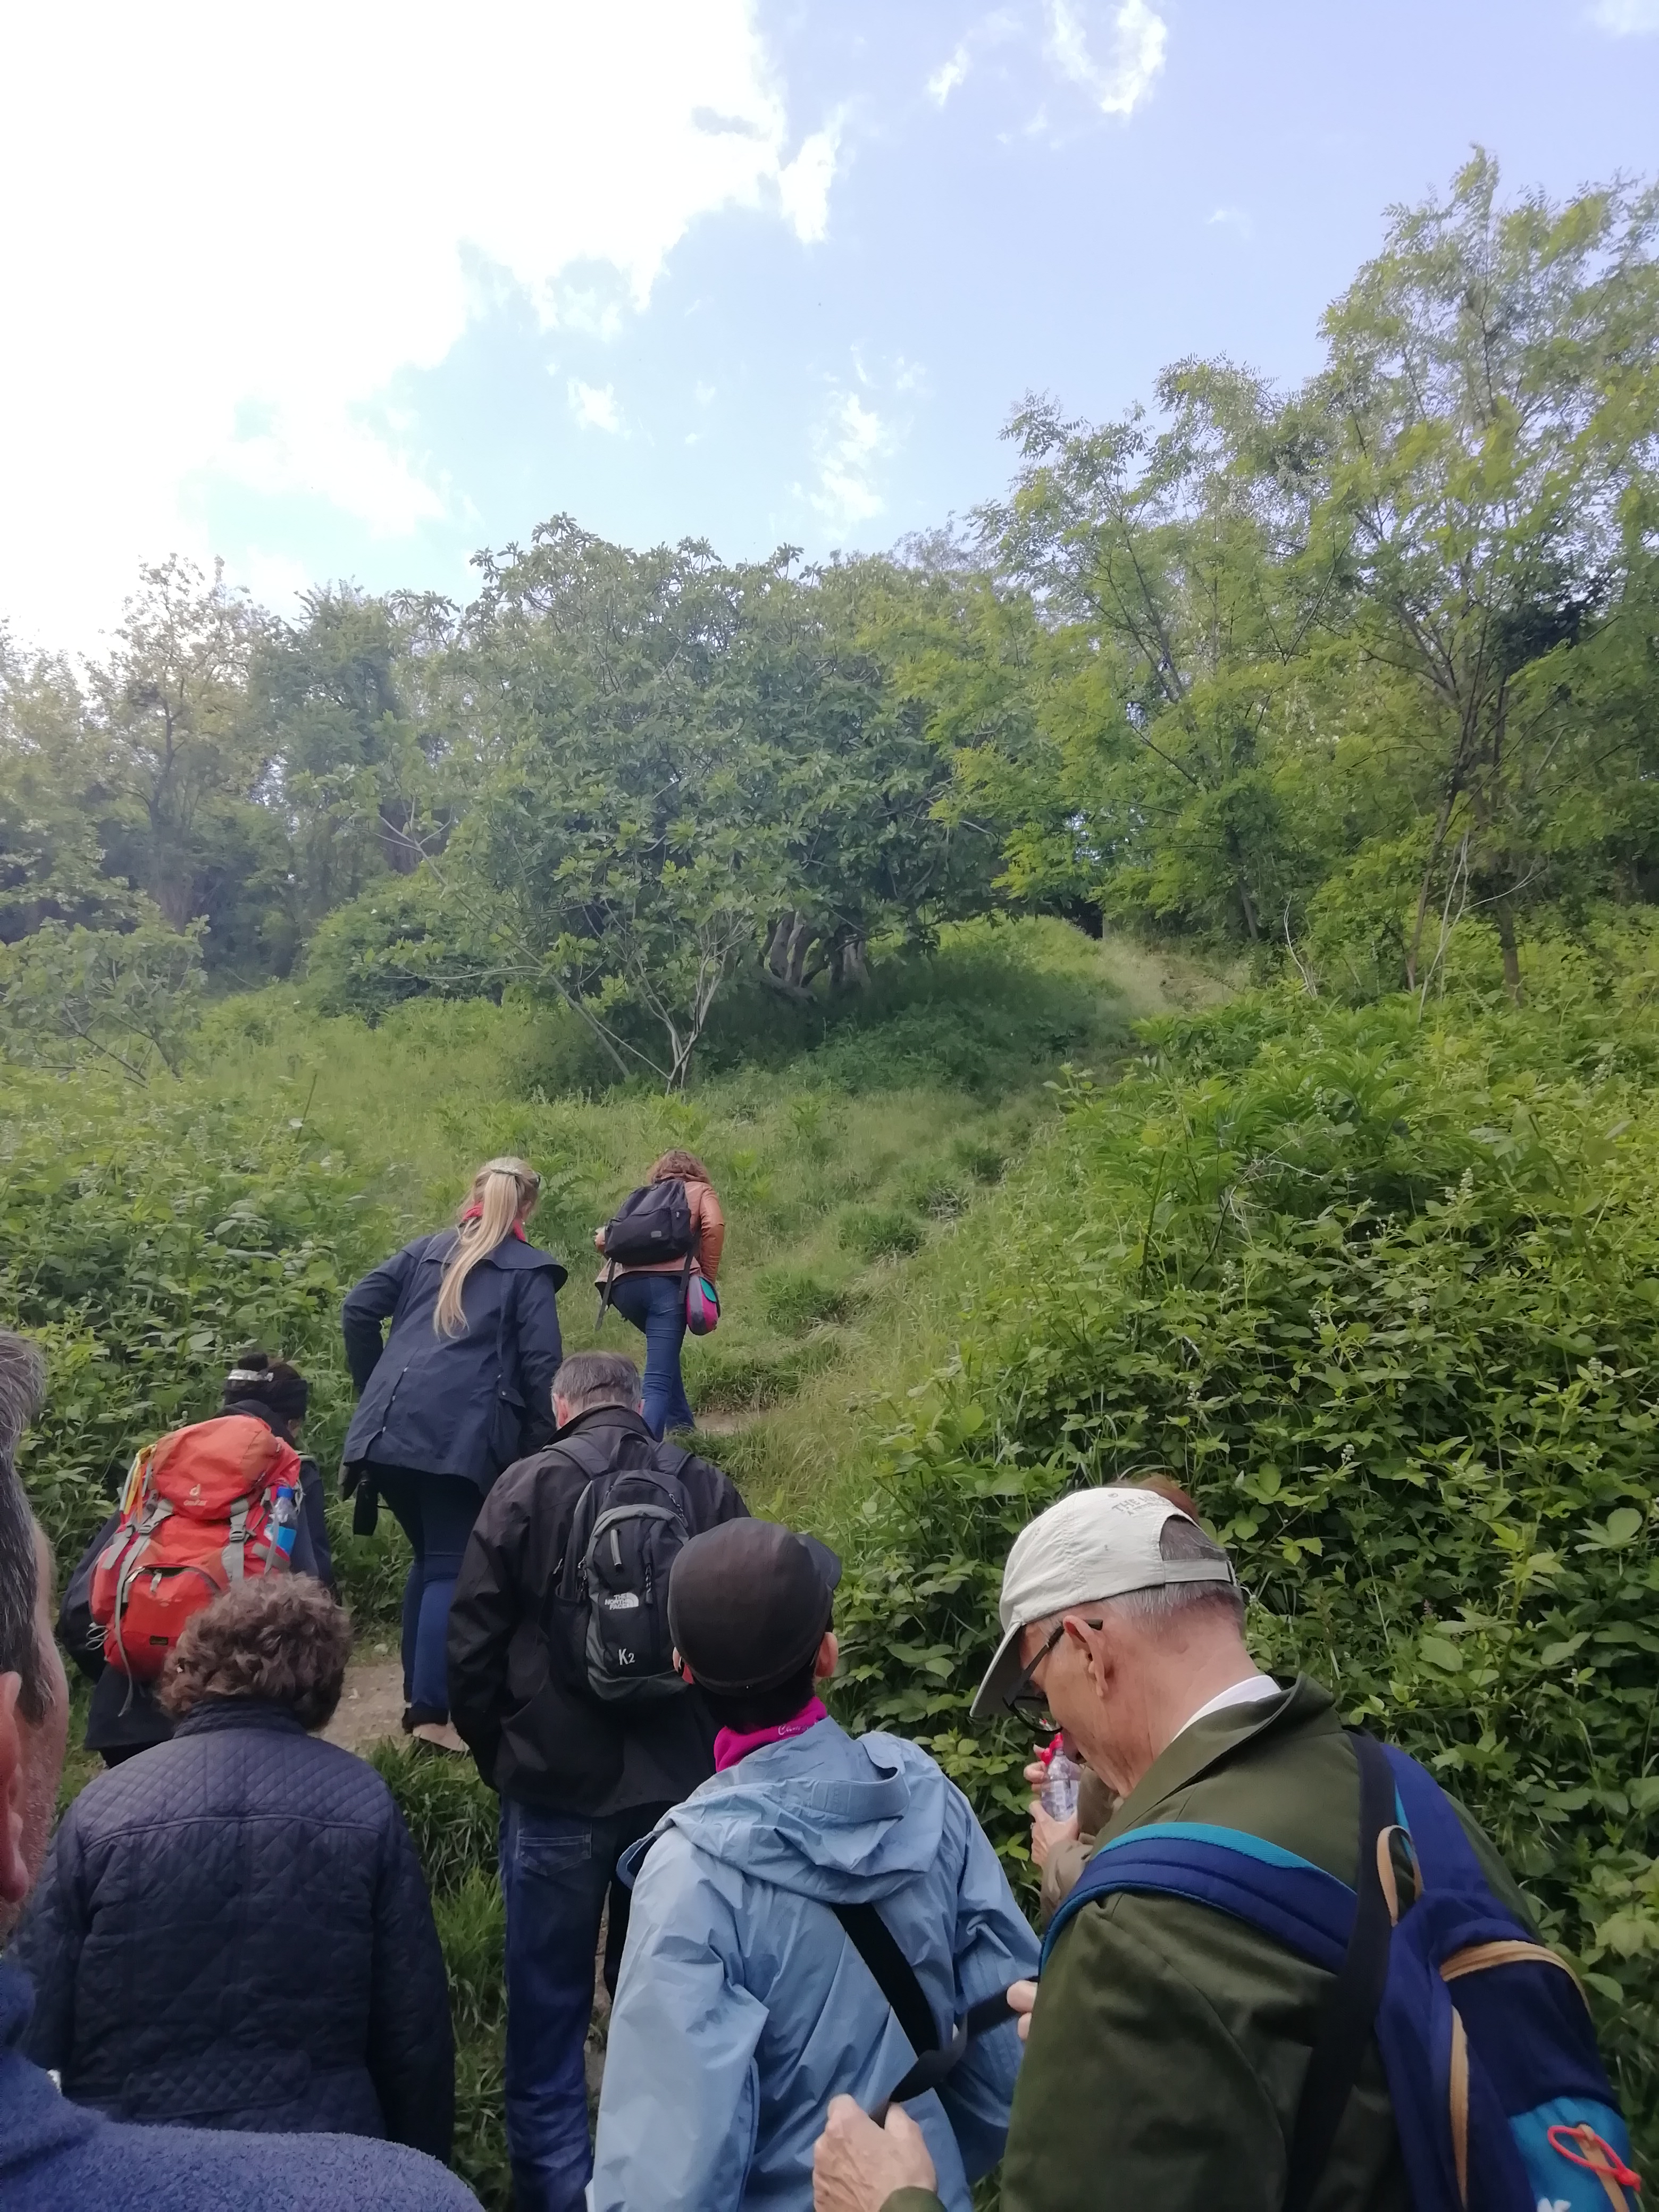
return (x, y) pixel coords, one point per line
(203, 1508)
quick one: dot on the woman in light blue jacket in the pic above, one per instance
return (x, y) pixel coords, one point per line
(743, 2006)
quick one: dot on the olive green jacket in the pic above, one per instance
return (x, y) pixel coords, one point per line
(1169, 2041)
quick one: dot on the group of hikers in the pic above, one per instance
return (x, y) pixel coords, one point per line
(1278, 1966)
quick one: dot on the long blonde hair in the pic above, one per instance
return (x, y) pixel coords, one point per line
(502, 1192)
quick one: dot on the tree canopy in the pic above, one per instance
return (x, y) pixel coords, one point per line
(1329, 676)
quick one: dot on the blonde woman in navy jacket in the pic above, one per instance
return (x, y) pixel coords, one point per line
(461, 1387)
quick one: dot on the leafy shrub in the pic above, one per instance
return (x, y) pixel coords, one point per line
(128, 998)
(400, 939)
(795, 1300)
(878, 1232)
(1383, 1297)
(145, 1239)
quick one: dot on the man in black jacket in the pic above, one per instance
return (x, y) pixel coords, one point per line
(579, 1776)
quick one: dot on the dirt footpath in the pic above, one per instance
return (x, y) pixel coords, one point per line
(372, 1707)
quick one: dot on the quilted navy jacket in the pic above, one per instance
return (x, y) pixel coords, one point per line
(467, 1405)
(58, 2157)
(232, 1931)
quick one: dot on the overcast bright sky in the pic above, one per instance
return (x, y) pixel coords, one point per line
(350, 291)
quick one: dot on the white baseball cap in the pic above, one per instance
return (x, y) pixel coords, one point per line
(1095, 1544)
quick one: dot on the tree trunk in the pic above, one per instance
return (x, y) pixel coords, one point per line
(1504, 912)
(849, 969)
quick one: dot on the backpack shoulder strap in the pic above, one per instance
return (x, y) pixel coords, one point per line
(1349, 2016)
(895, 1977)
(1287, 1897)
(1348, 1931)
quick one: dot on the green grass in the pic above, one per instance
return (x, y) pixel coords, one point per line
(852, 1170)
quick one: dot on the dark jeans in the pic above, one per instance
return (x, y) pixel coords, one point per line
(656, 1304)
(436, 1513)
(555, 1870)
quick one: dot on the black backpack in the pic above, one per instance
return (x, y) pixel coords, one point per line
(612, 1585)
(652, 1223)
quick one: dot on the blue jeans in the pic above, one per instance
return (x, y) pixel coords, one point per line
(555, 1870)
(656, 1304)
(436, 1513)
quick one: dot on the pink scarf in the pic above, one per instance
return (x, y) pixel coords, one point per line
(476, 1213)
(730, 1747)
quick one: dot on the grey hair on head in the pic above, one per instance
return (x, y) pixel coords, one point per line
(22, 1388)
(22, 1393)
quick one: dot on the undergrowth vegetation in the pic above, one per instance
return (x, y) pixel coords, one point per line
(1380, 1287)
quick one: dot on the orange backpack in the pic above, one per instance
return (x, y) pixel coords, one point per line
(203, 1508)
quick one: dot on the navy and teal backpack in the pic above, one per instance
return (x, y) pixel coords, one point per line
(1499, 2095)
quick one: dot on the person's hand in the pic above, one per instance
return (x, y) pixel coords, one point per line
(1047, 1831)
(1021, 1995)
(857, 2165)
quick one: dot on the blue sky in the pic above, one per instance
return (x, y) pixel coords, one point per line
(406, 280)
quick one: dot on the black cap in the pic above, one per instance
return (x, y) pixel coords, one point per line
(748, 1604)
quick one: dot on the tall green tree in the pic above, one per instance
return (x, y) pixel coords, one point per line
(624, 841)
(360, 743)
(170, 700)
(1179, 559)
(1490, 401)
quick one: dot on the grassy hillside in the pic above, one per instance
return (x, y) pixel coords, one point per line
(1379, 1282)
(857, 1159)
(870, 1161)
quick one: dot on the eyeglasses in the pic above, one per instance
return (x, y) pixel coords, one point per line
(1026, 1696)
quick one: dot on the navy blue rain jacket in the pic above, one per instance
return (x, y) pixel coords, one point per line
(59, 2157)
(232, 1930)
(466, 1405)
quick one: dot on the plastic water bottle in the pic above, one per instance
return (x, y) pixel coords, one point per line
(1060, 1784)
(284, 1521)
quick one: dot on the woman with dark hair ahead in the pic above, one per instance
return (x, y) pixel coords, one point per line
(461, 1387)
(651, 1293)
(124, 1717)
(233, 1931)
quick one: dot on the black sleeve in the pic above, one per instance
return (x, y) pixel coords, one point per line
(411, 2044)
(540, 1355)
(77, 1631)
(483, 1615)
(314, 1515)
(366, 1305)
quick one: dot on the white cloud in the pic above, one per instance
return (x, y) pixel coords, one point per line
(851, 440)
(1626, 18)
(594, 405)
(1232, 218)
(804, 186)
(227, 296)
(1118, 84)
(948, 75)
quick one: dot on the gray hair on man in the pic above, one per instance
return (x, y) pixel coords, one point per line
(1128, 1550)
(597, 1378)
(22, 1394)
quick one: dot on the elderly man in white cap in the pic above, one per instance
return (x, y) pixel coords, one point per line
(1167, 2058)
